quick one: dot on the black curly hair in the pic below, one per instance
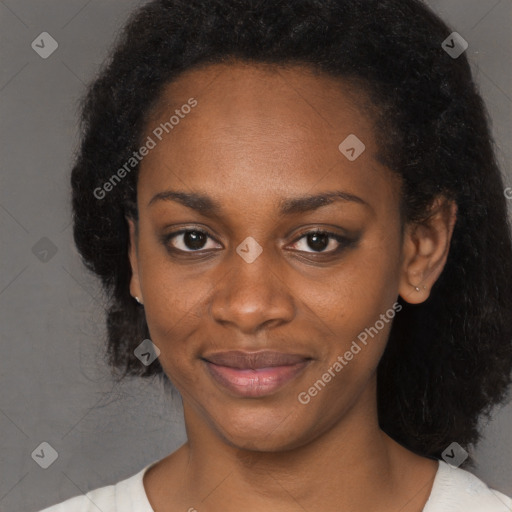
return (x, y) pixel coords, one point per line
(449, 359)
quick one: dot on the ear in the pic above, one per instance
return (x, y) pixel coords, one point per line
(425, 250)
(135, 289)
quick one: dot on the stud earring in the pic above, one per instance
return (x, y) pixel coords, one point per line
(138, 300)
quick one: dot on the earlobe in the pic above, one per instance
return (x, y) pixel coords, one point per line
(425, 251)
(135, 288)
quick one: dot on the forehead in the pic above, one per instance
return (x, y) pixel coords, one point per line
(258, 126)
(294, 97)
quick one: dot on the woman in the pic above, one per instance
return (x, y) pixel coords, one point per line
(295, 205)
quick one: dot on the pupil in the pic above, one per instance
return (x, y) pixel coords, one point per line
(313, 241)
(194, 239)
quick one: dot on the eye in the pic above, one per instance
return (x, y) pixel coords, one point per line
(195, 240)
(187, 240)
(320, 240)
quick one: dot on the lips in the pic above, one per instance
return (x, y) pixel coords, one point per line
(254, 374)
(254, 360)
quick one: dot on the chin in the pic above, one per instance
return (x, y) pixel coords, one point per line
(264, 429)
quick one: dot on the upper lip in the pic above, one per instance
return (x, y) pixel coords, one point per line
(254, 360)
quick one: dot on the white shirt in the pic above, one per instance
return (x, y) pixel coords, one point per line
(453, 490)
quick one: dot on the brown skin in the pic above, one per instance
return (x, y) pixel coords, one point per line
(258, 136)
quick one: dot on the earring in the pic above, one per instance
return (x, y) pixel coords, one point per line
(417, 288)
(138, 300)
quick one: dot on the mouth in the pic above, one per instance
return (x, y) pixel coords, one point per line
(254, 374)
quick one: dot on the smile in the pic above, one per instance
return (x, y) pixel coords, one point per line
(256, 374)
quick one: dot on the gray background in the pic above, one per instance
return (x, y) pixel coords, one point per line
(55, 384)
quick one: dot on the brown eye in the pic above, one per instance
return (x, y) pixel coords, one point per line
(187, 240)
(319, 241)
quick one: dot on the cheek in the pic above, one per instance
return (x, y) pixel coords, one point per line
(172, 305)
(169, 294)
(357, 307)
(363, 287)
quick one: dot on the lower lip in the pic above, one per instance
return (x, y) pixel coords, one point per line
(254, 383)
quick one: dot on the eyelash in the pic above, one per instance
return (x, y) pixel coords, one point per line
(342, 240)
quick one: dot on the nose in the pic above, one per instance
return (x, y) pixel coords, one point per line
(253, 295)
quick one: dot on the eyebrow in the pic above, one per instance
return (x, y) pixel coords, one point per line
(210, 207)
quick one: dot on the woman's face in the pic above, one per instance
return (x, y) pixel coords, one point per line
(244, 161)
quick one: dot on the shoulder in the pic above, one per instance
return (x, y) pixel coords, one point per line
(458, 490)
(126, 496)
